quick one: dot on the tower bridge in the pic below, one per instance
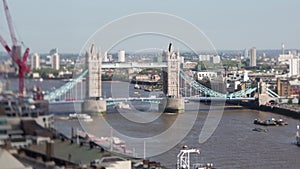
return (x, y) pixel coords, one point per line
(172, 75)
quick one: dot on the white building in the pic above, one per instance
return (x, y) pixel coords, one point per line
(215, 59)
(121, 56)
(245, 77)
(253, 56)
(285, 58)
(105, 58)
(205, 74)
(55, 59)
(35, 61)
(246, 53)
(294, 67)
(211, 58)
(204, 57)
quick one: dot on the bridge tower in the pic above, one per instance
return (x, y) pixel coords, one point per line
(93, 64)
(263, 96)
(93, 102)
(171, 82)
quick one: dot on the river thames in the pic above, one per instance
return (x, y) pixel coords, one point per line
(232, 145)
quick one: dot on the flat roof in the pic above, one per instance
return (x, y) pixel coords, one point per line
(8, 161)
(77, 154)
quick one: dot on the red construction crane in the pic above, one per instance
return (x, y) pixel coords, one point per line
(15, 52)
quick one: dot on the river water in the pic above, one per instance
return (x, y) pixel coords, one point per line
(232, 145)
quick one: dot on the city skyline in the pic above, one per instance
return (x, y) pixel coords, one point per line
(229, 25)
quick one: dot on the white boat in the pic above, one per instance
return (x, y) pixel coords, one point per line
(136, 86)
(80, 116)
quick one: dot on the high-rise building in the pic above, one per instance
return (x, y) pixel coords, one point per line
(294, 67)
(215, 59)
(55, 59)
(285, 58)
(282, 48)
(105, 58)
(121, 56)
(253, 56)
(246, 53)
(204, 57)
(35, 61)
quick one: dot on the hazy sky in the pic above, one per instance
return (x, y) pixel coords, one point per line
(229, 24)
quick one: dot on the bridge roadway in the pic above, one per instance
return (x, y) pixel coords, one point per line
(157, 100)
(133, 65)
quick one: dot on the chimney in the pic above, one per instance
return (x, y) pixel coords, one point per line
(49, 150)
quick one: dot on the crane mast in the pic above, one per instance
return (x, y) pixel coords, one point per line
(15, 52)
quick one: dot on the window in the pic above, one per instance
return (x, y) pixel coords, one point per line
(3, 122)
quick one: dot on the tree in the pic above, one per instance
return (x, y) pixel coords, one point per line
(290, 101)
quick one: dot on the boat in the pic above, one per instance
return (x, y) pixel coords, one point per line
(80, 116)
(136, 86)
(270, 122)
(183, 159)
(260, 129)
(298, 136)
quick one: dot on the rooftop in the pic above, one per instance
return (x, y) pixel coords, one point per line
(8, 161)
(74, 153)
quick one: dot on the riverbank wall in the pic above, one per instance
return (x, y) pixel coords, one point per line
(282, 111)
(294, 113)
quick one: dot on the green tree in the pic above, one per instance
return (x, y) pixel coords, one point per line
(290, 101)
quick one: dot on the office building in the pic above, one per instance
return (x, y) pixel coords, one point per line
(253, 57)
(35, 61)
(55, 59)
(121, 56)
(215, 59)
(204, 57)
(282, 48)
(285, 58)
(294, 67)
(246, 53)
(105, 58)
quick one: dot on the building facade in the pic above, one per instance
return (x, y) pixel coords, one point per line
(171, 73)
(294, 67)
(253, 57)
(294, 88)
(55, 59)
(206, 75)
(93, 62)
(283, 59)
(246, 53)
(121, 56)
(283, 87)
(35, 61)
